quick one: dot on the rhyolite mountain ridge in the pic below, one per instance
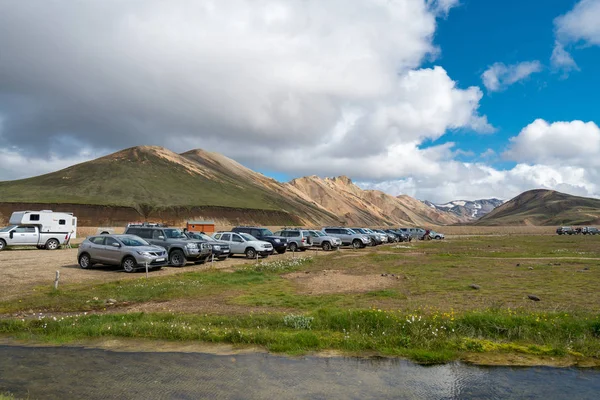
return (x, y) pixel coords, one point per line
(153, 183)
(544, 207)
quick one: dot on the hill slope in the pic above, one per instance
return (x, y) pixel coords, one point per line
(544, 207)
(368, 207)
(150, 176)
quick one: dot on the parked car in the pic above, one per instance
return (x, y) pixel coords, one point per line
(326, 242)
(564, 230)
(348, 236)
(376, 238)
(436, 235)
(220, 250)
(414, 233)
(297, 239)
(590, 230)
(129, 251)
(391, 238)
(180, 248)
(402, 237)
(279, 243)
(44, 229)
(242, 243)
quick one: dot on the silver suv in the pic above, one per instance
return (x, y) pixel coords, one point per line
(415, 233)
(327, 243)
(297, 239)
(348, 237)
(181, 249)
(129, 251)
(242, 243)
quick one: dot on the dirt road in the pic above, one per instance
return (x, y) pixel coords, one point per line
(24, 270)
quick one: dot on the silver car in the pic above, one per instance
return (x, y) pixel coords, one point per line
(242, 243)
(327, 243)
(129, 251)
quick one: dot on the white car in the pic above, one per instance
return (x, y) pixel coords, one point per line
(242, 243)
(436, 235)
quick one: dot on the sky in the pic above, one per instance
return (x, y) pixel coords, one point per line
(438, 99)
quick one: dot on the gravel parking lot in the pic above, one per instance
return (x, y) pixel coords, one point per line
(25, 270)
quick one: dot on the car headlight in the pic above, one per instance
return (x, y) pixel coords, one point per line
(191, 246)
(216, 247)
(144, 253)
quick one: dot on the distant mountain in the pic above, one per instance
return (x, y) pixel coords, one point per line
(368, 207)
(467, 209)
(544, 207)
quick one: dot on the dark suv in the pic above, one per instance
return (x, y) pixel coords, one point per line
(179, 247)
(279, 243)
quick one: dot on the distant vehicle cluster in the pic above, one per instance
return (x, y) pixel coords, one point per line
(586, 230)
(153, 245)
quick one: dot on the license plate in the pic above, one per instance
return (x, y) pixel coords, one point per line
(160, 259)
(225, 251)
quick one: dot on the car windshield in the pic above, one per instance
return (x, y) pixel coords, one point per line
(133, 241)
(247, 237)
(266, 232)
(351, 232)
(175, 234)
(8, 228)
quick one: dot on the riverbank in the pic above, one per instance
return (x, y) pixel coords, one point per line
(432, 302)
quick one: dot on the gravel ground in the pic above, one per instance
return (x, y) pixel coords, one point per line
(24, 270)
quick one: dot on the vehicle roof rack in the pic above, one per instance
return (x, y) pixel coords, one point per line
(147, 225)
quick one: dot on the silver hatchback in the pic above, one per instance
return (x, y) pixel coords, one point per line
(129, 251)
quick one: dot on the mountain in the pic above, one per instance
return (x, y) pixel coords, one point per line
(153, 178)
(368, 207)
(544, 207)
(467, 209)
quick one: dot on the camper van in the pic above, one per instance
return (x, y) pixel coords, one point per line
(45, 229)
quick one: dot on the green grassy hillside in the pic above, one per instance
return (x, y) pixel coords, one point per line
(544, 207)
(149, 176)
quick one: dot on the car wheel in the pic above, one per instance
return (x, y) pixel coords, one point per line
(85, 261)
(52, 244)
(250, 253)
(438, 237)
(177, 258)
(293, 247)
(2, 244)
(326, 246)
(281, 251)
(357, 244)
(129, 264)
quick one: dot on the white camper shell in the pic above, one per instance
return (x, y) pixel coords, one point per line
(45, 229)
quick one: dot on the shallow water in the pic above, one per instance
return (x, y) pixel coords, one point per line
(79, 373)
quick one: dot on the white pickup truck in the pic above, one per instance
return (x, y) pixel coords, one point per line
(30, 235)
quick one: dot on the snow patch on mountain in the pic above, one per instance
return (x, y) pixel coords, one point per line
(466, 208)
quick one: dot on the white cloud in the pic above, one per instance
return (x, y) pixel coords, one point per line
(560, 143)
(303, 86)
(499, 76)
(578, 25)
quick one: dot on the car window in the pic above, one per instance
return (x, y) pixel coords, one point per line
(25, 229)
(156, 233)
(226, 237)
(236, 238)
(247, 237)
(278, 233)
(109, 241)
(313, 234)
(334, 231)
(98, 240)
(217, 236)
(293, 234)
(143, 233)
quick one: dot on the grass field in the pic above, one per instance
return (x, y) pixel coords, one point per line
(412, 300)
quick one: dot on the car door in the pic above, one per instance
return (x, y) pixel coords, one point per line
(23, 235)
(96, 249)
(238, 245)
(111, 252)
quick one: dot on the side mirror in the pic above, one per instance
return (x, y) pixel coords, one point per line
(12, 233)
(116, 245)
(161, 237)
